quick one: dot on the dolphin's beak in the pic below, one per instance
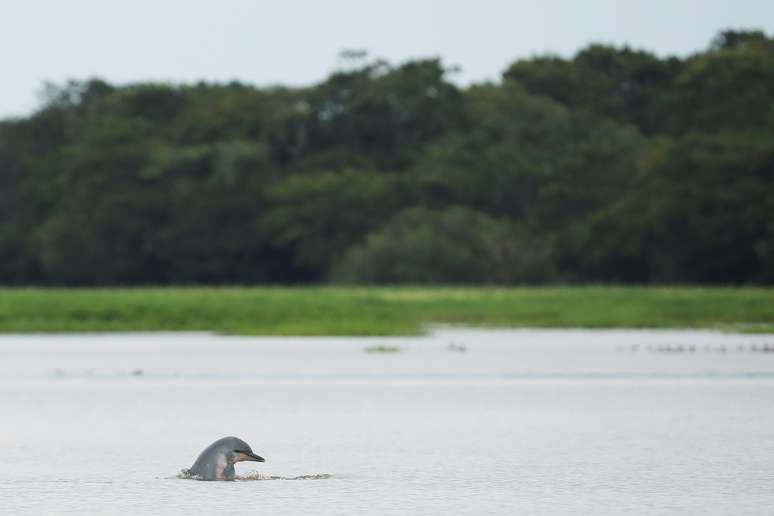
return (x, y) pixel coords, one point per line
(246, 455)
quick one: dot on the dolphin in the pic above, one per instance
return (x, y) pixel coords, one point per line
(217, 460)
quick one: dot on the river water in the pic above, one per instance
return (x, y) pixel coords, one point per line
(458, 422)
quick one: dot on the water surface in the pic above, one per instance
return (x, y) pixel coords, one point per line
(459, 422)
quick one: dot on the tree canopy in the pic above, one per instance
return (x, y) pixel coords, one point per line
(614, 165)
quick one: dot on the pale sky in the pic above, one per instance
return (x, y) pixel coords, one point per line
(297, 42)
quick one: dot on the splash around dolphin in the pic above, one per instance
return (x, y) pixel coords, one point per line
(217, 461)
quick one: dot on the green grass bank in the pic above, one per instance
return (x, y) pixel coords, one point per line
(380, 310)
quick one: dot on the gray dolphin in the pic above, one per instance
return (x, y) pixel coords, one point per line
(217, 460)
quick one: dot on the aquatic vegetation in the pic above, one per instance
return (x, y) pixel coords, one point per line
(383, 349)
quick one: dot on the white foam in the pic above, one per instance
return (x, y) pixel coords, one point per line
(255, 475)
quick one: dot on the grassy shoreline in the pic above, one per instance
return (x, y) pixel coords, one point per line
(379, 310)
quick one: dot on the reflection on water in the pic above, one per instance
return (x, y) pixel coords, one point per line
(460, 422)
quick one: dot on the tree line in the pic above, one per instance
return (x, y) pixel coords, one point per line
(615, 165)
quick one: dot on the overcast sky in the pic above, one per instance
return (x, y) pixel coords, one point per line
(297, 42)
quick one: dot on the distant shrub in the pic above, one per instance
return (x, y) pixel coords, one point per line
(454, 245)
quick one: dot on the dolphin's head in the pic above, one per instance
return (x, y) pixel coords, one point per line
(236, 450)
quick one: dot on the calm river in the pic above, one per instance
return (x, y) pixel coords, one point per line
(458, 422)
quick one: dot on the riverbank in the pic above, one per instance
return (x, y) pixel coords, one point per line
(380, 310)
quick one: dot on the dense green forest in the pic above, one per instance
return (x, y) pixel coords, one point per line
(615, 165)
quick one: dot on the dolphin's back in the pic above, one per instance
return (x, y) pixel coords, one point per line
(211, 463)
